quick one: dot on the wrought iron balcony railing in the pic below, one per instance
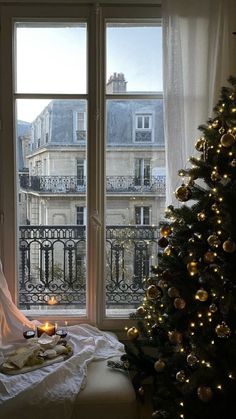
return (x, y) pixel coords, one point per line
(53, 265)
(73, 184)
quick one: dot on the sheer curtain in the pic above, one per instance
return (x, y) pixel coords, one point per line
(198, 59)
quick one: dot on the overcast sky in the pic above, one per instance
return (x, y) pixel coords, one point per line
(53, 60)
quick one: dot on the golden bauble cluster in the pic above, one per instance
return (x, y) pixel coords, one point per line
(229, 246)
(222, 330)
(201, 295)
(227, 140)
(183, 193)
(132, 333)
(204, 393)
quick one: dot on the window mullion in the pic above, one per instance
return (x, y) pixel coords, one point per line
(95, 192)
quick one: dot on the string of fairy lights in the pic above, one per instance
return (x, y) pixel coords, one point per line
(219, 140)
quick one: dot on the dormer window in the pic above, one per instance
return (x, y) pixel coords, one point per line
(143, 128)
(80, 128)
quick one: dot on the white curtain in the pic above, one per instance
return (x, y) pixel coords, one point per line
(198, 59)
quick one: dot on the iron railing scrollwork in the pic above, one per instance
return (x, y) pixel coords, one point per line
(52, 263)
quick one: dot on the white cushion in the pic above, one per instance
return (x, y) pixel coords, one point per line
(108, 394)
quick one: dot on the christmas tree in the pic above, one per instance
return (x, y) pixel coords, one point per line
(184, 335)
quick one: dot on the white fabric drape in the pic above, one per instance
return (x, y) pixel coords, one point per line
(198, 60)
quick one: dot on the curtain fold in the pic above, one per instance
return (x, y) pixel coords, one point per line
(197, 52)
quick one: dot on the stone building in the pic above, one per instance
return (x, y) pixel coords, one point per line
(53, 179)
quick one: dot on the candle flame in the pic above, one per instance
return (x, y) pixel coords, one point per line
(52, 300)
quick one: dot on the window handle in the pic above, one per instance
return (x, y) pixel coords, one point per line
(96, 220)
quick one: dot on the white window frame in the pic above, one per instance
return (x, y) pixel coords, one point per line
(96, 16)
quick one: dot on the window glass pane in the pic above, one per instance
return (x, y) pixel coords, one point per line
(51, 58)
(135, 200)
(51, 182)
(133, 58)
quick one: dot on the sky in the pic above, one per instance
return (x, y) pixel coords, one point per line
(53, 60)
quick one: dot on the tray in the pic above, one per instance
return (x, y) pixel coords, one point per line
(45, 363)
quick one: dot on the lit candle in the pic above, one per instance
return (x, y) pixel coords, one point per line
(46, 328)
(52, 300)
(61, 331)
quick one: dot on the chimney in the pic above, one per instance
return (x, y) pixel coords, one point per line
(116, 83)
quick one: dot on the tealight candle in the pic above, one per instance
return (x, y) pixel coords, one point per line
(61, 331)
(28, 334)
(46, 328)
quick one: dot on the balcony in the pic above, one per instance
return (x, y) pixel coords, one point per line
(52, 265)
(73, 184)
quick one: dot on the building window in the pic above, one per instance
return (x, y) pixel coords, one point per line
(142, 172)
(103, 108)
(142, 215)
(80, 165)
(80, 215)
(80, 129)
(143, 128)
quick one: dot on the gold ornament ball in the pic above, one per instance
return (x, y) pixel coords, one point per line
(191, 359)
(233, 163)
(200, 144)
(227, 140)
(209, 257)
(213, 308)
(153, 292)
(165, 231)
(229, 246)
(159, 365)
(222, 330)
(201, 216)
(141, 311)
(175, 337)
(173, 292)
(183, 193)
(204, 393)
(168, 250)
(213, 240)
(214, 207)
(179, 303)
(180, 376)
(192, 267)
(133, 333)
(162, 284)
(201, 295)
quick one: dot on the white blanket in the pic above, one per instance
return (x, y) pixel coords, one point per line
(50, 392)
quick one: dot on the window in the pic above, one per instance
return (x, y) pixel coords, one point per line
(142, 172)
(142, 215)
(80, 172)
(80, 215)
(80, 158)
(80, 126)
(143, 128)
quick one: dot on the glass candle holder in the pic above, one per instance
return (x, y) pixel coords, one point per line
(27, 332)
(46, 328)
(61, 329)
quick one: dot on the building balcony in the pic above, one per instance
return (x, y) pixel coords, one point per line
(52, 265)
(72, 184)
